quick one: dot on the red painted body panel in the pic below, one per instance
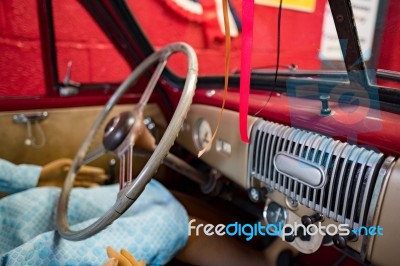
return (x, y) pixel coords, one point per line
(43, 102)
(367, 127)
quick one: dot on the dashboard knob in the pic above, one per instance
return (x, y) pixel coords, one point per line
(309, 220)
(325, 110)
(258, 194)
(341, 241)
(304, 236)
(291, 237)
(300, 234)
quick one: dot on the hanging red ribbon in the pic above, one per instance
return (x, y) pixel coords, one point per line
(245, 69)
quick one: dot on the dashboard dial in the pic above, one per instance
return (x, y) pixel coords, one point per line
(202, 133)
(275, 214)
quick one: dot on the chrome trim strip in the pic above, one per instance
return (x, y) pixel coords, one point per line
(359, 180)
(277, 175)
(350, 182)
(271, 163)
(331, 187)
(340, 184)
(283, 160)
(368, 189)
(350, 171)
(377, 199)
(329, 179)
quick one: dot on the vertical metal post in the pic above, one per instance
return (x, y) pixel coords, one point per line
(343, 17)
(47, 40)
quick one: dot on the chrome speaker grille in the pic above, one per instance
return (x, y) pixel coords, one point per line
(350, 172)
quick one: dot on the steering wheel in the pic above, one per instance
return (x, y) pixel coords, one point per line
(122, 133)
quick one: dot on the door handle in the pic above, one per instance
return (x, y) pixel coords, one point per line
(30, 117)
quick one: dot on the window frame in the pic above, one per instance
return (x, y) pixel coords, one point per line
(117, 22)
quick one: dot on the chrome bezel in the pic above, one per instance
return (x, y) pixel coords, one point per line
(266, 209)
(196, 133)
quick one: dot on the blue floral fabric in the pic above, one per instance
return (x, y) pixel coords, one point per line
(153, 229)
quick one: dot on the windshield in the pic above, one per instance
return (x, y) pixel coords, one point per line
(308, 38)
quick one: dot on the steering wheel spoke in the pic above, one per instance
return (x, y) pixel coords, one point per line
(151, 85)
(94, 154)
(122, 133)
(126, 168)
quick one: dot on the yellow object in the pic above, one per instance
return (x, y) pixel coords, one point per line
(299, 5)
(132, 259)
(54, 173)
(123, 258)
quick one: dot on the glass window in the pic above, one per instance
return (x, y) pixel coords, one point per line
(308, 35)
(21, 68)
(80, 40)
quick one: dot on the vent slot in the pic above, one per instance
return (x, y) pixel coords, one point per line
(350, 171)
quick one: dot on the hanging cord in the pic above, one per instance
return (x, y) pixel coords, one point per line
(277, 57)
(227, 59)
(31, 140)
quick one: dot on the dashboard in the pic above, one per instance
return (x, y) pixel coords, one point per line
(305, 178)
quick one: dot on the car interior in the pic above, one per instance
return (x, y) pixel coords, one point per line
(282, 112)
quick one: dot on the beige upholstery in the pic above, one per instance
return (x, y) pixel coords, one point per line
(64, 130)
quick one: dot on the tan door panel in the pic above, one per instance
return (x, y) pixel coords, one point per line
(64, 131)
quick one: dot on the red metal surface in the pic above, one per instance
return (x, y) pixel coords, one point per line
(370, 128)
(43, 102)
